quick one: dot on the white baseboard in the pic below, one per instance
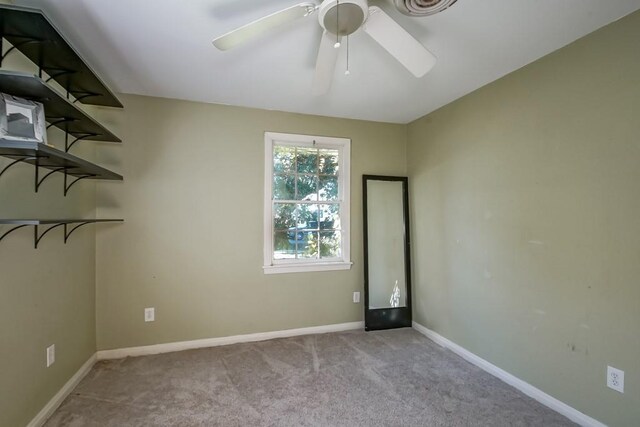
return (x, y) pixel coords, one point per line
(62, 394)
(214, 342)
(531, 391)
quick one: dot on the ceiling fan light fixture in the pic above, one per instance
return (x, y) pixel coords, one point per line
(342, 17)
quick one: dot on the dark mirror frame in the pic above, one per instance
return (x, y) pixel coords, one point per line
(393, 317)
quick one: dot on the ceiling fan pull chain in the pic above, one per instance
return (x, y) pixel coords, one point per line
(337, 45)
(347, 72)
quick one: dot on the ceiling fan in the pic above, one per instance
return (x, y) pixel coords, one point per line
(340, 18)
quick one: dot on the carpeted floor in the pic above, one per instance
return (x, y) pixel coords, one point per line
(385, 378)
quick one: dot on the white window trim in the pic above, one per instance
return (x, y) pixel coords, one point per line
(344, 177)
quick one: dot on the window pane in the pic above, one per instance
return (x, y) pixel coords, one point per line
(328, 188)
(284, 216)
(297, 239)
(307, 187)
(328, 162)
(307, 160)
(307, 217)
(330, 244)
(284, 159)
(308, 247)
(284, 187)
(282, 247)
(329, 217)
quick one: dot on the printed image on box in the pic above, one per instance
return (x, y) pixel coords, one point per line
(21, 119)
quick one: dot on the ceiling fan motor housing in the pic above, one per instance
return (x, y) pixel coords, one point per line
(342, 17)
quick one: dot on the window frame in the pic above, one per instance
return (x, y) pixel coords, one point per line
(272, 266)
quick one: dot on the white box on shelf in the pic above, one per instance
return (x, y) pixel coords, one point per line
(21, 119)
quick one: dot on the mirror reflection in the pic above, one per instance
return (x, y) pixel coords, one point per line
(386, 244)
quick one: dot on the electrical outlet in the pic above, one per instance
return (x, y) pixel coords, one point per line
(51, 355)
(615, 379)
(356, 297)
(149, 314)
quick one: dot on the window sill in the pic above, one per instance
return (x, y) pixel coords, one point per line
(303, 268)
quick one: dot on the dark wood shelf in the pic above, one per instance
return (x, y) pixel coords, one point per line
(69, 225)
(47, 157)
(54, 221)
(58, 110)
(30, 32)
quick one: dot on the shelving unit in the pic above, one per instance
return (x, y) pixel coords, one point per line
(69, 225)
(31, 33)
(44, 156)
(59, 111)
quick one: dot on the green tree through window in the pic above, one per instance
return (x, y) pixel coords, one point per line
(306, 204)
(306, 210)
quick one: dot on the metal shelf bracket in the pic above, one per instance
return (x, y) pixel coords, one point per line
(39, 181)
(69, 226)
(67, 232)
(67, 145)
(56, 122)
(12, 230)
(79, 96)
(37, 237)
(28, 40)
(15, 162)
(67, 187)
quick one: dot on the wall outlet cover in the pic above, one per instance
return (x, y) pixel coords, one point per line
(615, 379)
(356, 297)
(149, 314)
(51, 355)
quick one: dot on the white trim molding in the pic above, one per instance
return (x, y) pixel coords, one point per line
(62, 394)
(301, 268)
(531, 391)
(214, 342)
(343, 145)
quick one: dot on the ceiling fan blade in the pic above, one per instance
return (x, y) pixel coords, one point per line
(325, 64)
(398, 42)
(246, 32)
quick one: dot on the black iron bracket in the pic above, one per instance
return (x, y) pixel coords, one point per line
(39, 181)
(12, 230)
(54, 73)
(67, 187)
(67, 145)
(67, 232)
(69, 227)
(28, 40)
(37, 237)
(15, 162)
(57, 121)
(79, 96)
(57, 72)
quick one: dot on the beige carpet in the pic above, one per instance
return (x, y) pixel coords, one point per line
(385, 378)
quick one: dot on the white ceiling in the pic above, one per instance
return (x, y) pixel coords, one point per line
(163, 48)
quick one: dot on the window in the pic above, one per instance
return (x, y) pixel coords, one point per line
(306, 212)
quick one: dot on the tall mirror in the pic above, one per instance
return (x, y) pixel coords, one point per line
(387, 264)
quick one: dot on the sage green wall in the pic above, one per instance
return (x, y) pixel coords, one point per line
(192, 243)
(47, 296)
(526, 222)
